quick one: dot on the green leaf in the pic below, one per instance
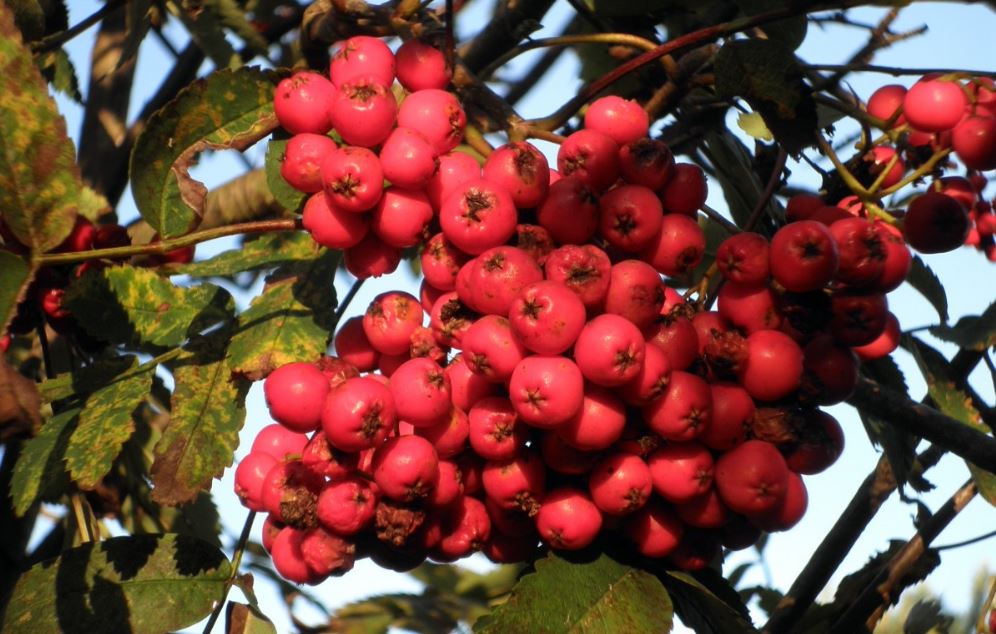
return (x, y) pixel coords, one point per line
(924, 280)
(733, 164)
(208, 32)
(285, 195)
(40, 473)
(105, 424)
(233, 17)
(245, 619)
(59, 71)
(140, 583)
(15, 277)
(602, 595)
(208, 410)
(82, 382)
(974, 333)
(269, 250)
(952, 401)
(753, 124)
(767, 75)
(29, 16)
(701, 607)
(789, 32)
(290, 321)
(39, 178)
(130, 304)
(229, 109)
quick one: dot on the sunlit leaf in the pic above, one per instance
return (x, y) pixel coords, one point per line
(40, 472)
(269, 250)
(602, 595)
(229, 109)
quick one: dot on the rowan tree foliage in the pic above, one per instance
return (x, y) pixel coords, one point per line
(127, 360)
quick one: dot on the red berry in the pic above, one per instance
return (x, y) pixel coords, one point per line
(390, 320)
(332, 227)
(249, 478)
(353, 179)
(679, 246)
(646, 162)
(478, 215)
(803, 256)
(362, 56)
(352, 345)
(630, 217)
(302, 161)
(371, 257)
(886, 101)
(279, 442)
(522, 170)
(546, 317)
(773, 368)
(590, 156)
(583, 269)
(654, 530)
(437, 115)
(421, 392)
(406, 468)
(358, 414)
(752, 477)
(743, 258)
(408, 158)
(934, 105)
(301, 103)
(546, 391)
(974, 142)
(401, 218)
(455, 168)
(620, 484)
(684, 411)
(495, 431)
(295, 394)
(518, 483)
(491, 349)
(346, 505)
(421, 66)
(609, 351)
(598, 424)
(686, 191)
(935, 223)
(621, 119)
(884, 344)
(681, 472)
(568, 519)
(363, 111)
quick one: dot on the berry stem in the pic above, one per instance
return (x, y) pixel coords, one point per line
(927, 167)
(240, 548)
(625, 39)
(165, 246)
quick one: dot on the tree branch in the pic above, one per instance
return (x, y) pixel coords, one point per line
(512, 22)
(926, 422)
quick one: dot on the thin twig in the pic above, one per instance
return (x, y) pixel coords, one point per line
(346, 301)
(967, 542)
(897, 71)
(625, 39)
(165, 246)
(236, 560)
(56, 40)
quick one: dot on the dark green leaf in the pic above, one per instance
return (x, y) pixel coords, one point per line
(226, 110)
(767, 75)
(269, 250)
(923, 279)
(950, 400)
(39, 179)
(288, 197)
(975, 333)
(732, 162)
(899, 445)
(245, 619)
(82, 382)
(40, 473)
(706, 603)
(602, 595)
(208, 410)
(58, 69)
(789, 32)
(290, 321)
(105, 424)
(130, 304)
(29, 16)
(15, 277)
(208, 32)
(141, 583)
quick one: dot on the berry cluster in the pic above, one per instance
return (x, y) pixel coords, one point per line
(561, 389)
(940, 113)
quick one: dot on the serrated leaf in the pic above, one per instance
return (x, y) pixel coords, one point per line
(39, 178)
(207, 31)
(208, 410)
(602, 595)
(753, 124)
(925, 281)
(732, 162)
(29, 16)
(229, 109)
(130, 304)
(269, 250)
(59, 71)
(233, 17)
(40, 473)
(290, 321)
(15, 277)
(288, 197)
(245, 619)
(767, 75)
(82, 382)
(701, 608)
(140, 583)
(974, 333)
(950, 400)
(105, 424)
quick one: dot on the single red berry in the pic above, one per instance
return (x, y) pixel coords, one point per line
(478, 215)
(686, 191)
(302, 161)
(408, 158)
(390, 320)
(630, 217)
(934, 105)
(681, 472)
(437, 115)
(646, 162)
(773, 368)
(495, 430)
(886, 101)
(371, 257)
(455, 168)
(362, 56)
(421, 66)
(406, 468)
(249, 478)
(679, 246)
(752, 477)
(803, 256)
(491, 349)
(609, 351)
(568, 519)
(590, 156)
(295, 394)
(522, 170)
(620, 484)
(546, 391)
(546, 317)
(583, 269)
(623, 120)
(332, 227)
(401, 218)
(363, 111)
(684, 412)
(358, 414)
(421, 392)
(743, 258)
(654, 530)
(301, 103)
(353, 179)
(279, 442)
(346, 505)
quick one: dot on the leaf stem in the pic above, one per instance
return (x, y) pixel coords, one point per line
(240, 548)
(165, 246)
(346, 301)
(927, 167)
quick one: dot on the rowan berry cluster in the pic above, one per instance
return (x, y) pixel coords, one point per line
(548, 386)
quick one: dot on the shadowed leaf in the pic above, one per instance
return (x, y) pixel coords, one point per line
(39, 178)
(245, 619)
(924, 280)
(290, 321)
(898, 444)
(602, 595)
(105, 424)
(975, 332)
(229, 109)
(40, 473)
(208, 410)
(15, 277)
(20, 403)
(715, 607)
(59, 71)
(130, 304)
(269, 250)
(766, 74)
(141, 583)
